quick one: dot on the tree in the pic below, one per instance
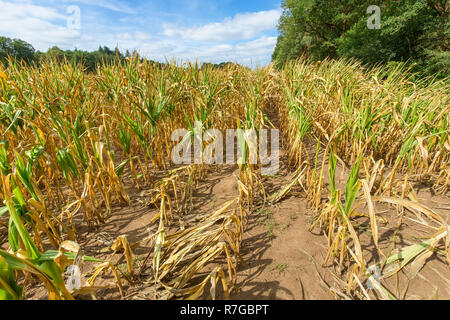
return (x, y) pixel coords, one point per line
(56, 53)
(23, 51)
(411, 30)
(313, 27)
(17, 49)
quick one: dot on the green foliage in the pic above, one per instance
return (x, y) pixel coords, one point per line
(16, 48)
(413, 31)
(21, 51)
(90, 60)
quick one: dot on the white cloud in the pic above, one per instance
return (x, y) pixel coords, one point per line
(135, 36)
(144, 43)
(242, 26)
(41, 26)
(26, 9)
(250, 52)
(107, 4)
(142, 36)
(259, 46)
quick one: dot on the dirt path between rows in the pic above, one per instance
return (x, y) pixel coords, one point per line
(284, 258)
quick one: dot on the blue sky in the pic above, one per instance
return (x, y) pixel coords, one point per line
(213, 31)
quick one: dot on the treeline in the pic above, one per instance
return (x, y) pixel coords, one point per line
(220, 66)
(413, 31)
(24, 52)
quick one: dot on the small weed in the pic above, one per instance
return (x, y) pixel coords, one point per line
(265, 218)
(280, 267)
(271, 224)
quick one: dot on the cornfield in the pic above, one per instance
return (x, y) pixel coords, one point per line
(75, 146)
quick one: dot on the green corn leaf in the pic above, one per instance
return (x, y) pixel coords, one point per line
(242, 147)
(119, 169)
(13, 236)
(17, 263)
(4, 163)
(31, 249)
(49, 255)
(332, 173)
(10, 290)
(24, 172)
(352, 187)
(3, 210)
